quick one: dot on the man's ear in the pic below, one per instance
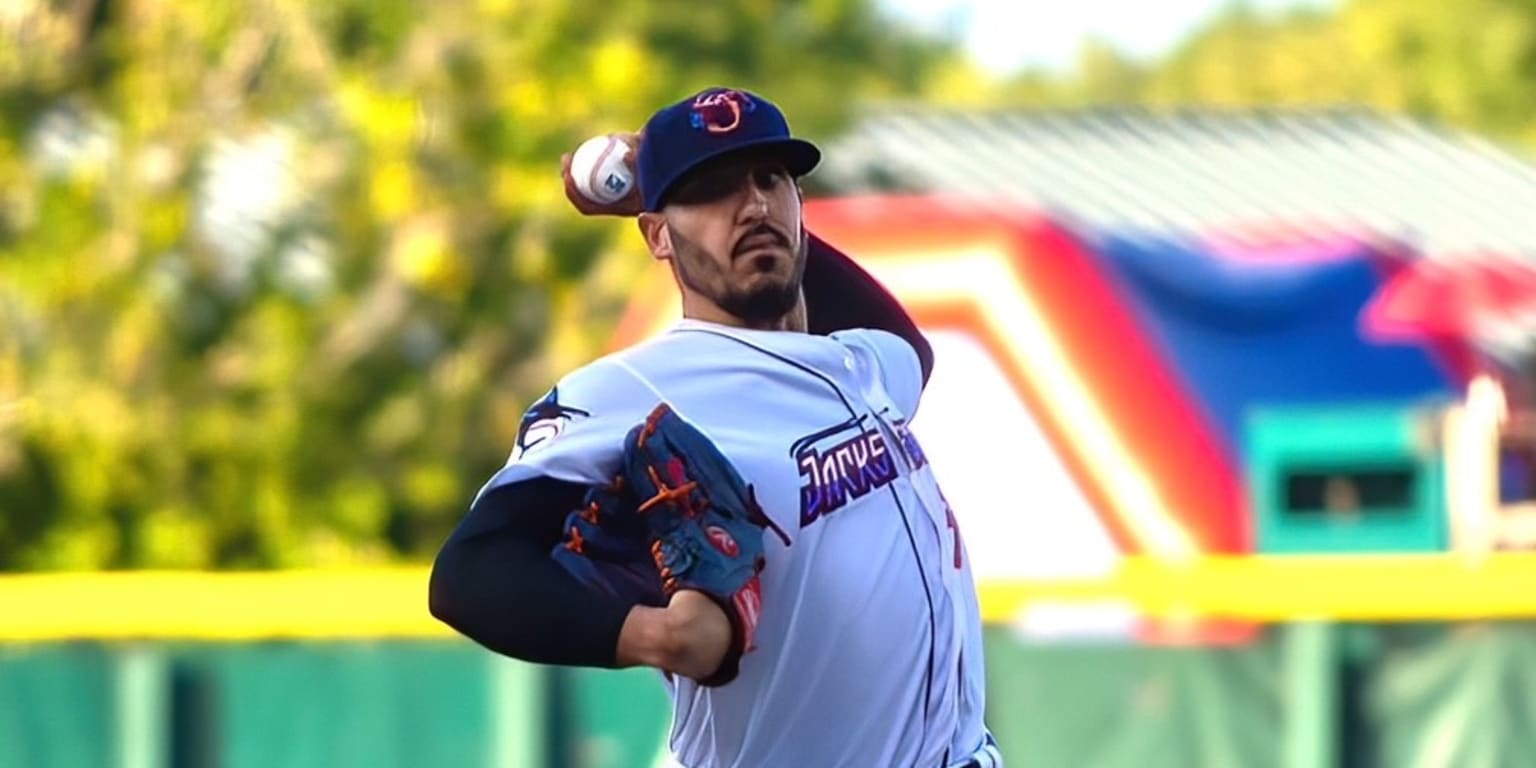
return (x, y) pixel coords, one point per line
(653, 227)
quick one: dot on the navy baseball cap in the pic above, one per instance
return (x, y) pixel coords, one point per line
(709, 124)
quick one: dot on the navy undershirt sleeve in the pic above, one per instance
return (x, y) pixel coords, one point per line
(495, 582)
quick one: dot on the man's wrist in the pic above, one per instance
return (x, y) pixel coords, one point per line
(646, 640)
(690, 637)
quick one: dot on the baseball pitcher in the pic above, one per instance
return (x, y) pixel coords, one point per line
(739, 502)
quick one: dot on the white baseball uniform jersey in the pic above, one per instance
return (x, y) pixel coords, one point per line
(869, 648)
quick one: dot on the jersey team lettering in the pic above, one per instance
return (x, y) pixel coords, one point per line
(845, 470)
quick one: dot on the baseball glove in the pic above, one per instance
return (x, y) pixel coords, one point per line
(705, 525)
(606, 546)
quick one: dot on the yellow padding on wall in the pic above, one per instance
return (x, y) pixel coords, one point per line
(221, 606)
(1290, 588)
(393, 602)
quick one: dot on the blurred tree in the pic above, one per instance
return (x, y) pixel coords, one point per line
(278, 279)
(1470, 64)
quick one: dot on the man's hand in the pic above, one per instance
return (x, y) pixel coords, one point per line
(705, 523)
(689, 637)
(630, 205)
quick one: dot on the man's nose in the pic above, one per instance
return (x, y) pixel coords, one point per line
(757, 199)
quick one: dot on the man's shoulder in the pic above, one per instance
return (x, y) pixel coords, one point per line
(894, 362)
(674, 348)
(885, 342)
(678, 354)
(627, 361)
(626, 368)
(598, 380)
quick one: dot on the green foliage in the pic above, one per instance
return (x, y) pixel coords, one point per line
(1468, 64)
(278, 279)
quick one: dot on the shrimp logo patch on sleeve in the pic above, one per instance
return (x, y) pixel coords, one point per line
(544, 422)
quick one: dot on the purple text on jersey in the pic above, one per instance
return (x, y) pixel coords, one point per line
(853, 468)
(909, 444)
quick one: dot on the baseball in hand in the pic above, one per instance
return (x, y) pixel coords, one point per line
(599, 169)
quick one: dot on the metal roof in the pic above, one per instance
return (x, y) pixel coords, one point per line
(1131, 170)
(1266, 174)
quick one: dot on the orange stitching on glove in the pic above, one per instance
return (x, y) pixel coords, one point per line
(669, 582)
(679, 494)
(651, 423)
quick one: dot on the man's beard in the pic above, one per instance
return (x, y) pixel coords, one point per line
(760, 306)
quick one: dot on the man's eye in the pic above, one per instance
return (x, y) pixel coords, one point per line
(707, 188)
(715, 187)
(767, 178)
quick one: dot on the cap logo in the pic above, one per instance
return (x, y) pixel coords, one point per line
(720, 111)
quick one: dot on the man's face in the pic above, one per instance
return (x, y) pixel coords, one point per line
(736, 236)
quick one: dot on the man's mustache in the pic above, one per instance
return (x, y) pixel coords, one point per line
(761, 230)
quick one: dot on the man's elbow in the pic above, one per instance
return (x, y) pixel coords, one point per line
(443, 599)
(924, 350)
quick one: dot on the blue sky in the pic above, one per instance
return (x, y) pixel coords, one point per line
(1007, 35)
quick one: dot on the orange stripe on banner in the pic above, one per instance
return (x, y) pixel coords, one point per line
(1017, 317)
(970, 319)
(1151, 410)
(984, 278)
(1194, 477)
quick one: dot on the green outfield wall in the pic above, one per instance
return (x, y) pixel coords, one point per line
(1319, 695)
